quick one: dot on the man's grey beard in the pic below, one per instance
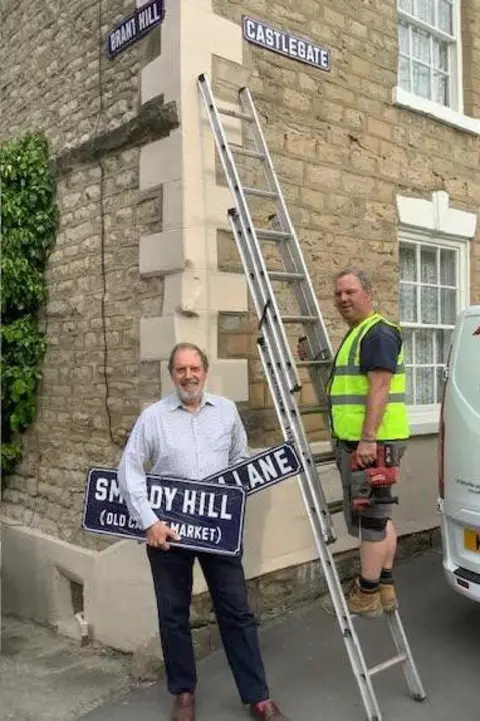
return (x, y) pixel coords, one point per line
(188, 396)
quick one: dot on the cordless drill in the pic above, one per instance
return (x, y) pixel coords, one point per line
(372, 485)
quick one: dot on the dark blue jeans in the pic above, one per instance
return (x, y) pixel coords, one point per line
(172, 573)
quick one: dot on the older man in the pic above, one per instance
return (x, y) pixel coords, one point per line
(192, 434)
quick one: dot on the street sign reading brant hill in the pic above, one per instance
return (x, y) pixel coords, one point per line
(134, 27)
(208, 515)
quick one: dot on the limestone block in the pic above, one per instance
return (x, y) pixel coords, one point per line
(229, 377)
(161, 253)
(228, 292)
(159, 334)
(161, 161)
(186, 293)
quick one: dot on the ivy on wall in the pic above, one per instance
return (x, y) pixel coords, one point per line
(29, 218)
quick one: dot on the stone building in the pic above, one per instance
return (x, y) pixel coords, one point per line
(379, 160)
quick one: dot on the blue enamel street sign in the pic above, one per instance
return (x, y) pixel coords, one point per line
(292, 46)
(208, 515)
(263, 470)
(134, 27)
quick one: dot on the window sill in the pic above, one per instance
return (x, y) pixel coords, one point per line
(439, 112)
(424, 420)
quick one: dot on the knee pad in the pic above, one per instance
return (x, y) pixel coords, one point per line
(373, 524)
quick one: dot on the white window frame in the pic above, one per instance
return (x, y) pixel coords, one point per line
(454, 113)
(454, 53)
(433, 222)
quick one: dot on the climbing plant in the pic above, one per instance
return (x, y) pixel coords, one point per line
(29, 218)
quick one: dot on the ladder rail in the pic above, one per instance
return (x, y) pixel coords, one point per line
(347, 628)
(257, 267)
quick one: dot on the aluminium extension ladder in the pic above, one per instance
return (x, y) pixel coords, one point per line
(282, 371)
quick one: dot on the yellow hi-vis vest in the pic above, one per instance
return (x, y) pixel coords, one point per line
(349, 388)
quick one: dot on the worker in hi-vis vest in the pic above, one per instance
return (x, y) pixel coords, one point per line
(368, 416)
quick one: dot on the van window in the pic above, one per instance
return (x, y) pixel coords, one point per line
(467, 362)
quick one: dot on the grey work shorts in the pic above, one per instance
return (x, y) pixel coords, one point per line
(353, 519)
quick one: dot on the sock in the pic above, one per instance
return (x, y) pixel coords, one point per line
(368, 586)
(261, 704)
(386, 576)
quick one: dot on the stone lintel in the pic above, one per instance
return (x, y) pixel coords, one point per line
(154, 120)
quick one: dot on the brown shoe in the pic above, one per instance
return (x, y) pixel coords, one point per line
(266, 711)
(184, 707)
(360, 603)
(388, 597)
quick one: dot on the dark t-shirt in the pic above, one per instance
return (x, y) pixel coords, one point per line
(380, 348)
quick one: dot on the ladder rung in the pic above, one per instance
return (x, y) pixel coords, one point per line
(299, 319)
(335, 507)
(265, 234)
(313, 363)
(284, 275)
(240, 150)
(310, 410)
(235, 114)
(261, 193)
(401, 658)
(323, 458)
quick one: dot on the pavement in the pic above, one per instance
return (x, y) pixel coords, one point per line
(307, 666)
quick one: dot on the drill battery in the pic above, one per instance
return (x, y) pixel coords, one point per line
(372, 485)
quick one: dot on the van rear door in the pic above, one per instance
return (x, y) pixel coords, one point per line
(461, 451)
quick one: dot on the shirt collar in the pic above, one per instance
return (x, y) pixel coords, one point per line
(175, 402)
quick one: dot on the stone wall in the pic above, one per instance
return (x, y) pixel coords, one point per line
(58, 79)
(343, 152)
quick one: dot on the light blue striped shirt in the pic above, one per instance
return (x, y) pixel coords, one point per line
(181, 444)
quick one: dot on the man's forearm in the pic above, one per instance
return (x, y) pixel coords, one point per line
(377, 400)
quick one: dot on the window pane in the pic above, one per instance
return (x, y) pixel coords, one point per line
(448, 302)
(440, 89)
(404, 73)
(428, 264)
(408, 303)
(406, 5)
(444, 338)
(424, 347)
(445, 16)
(429, 306)
(421, 45)
(409, 395)
(440, 55)
(408, 264)
(424, 390)
(403, 39)
(424, 10)
(448, 267)
(421, 80)
(407, 346)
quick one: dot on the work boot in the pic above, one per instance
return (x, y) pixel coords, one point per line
(266, 711)
(388, 597)
(184, 707)
(360, 603)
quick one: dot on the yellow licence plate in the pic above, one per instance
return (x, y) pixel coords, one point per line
(471, 540)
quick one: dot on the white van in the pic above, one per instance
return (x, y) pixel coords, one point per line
(459, 458)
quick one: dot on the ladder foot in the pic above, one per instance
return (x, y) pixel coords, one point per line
(419, 697)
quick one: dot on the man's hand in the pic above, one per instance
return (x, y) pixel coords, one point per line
(366, 453)
(158, 535)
